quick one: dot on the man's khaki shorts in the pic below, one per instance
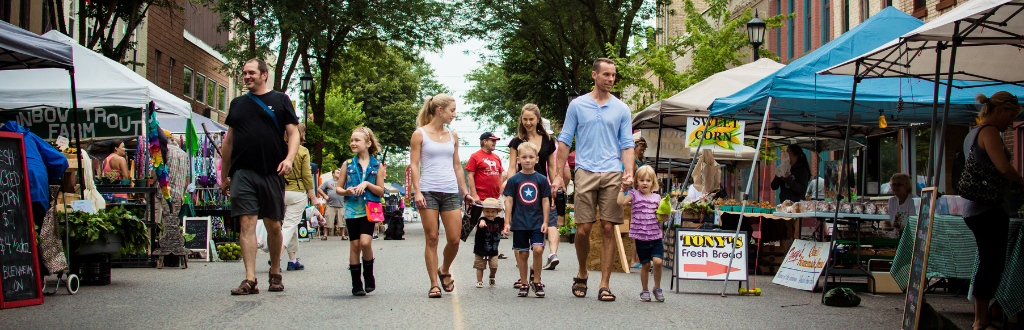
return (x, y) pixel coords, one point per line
(598, 189)
(481, 263)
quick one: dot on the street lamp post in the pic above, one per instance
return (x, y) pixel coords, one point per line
(755, 34)
(306, 85)
(572, 95)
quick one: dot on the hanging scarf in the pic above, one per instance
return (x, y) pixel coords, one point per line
(157, 150)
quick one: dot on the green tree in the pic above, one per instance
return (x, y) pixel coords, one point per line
(545, 49)
(390, 84)
(343, 115)
(714, 42)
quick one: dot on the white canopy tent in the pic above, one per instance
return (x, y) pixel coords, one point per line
(695, 100)
(100, 81)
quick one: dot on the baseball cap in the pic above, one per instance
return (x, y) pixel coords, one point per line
(547, 125)
(488, 135)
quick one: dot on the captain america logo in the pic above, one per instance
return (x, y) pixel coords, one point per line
(528, 193)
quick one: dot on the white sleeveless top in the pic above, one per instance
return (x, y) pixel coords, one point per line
(436, 171)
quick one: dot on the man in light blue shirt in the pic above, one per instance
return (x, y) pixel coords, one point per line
(601, 125)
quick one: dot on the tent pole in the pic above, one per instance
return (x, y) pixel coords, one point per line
(77, 131)
(935, 115)
(939, 163)
(843, 180)
(753, 167)
(657, 153)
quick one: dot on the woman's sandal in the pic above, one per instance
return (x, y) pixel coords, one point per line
(450, 286)
(434, 294)
(579, 287)
(605, 294)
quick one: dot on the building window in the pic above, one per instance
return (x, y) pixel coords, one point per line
(211, 93)
(222, 95)
(807, 25)
(47, 17)
(5, 10)
(156, 67)
(865, 10)
(189, 86)
(200, 88)
(778, 32)
(846, 16)
(789, 37)
(826, 27)
(25, 9)
(920, 5)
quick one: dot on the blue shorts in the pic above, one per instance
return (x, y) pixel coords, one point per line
(523, 240)
(648, 250)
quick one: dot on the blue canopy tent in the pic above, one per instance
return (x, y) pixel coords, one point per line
(801, 97)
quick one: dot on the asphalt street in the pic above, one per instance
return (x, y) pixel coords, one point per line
(319, 297)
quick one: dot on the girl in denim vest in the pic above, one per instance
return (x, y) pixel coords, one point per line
(361, 184)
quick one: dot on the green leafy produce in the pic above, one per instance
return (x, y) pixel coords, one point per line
(84, 229)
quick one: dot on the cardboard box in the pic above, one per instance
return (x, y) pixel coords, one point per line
(884, 283)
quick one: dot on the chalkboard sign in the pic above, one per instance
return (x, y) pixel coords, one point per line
(19, 268)
(200, 227)
(919, 264)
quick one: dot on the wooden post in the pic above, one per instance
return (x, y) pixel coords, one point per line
(622, 249)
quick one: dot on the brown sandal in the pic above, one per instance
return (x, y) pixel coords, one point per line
(605, 294)
(434, 294)
(247, 287)
(447, 287)
(579, 288)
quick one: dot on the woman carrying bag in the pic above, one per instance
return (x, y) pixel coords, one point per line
(298, 193)
(986, 184)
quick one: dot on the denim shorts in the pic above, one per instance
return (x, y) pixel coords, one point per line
(552, 218)
(442, 201)
(523, 240)
(648, 250)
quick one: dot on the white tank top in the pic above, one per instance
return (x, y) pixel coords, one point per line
(436, 171)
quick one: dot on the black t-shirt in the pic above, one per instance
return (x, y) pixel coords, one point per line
(546, 149)
(258, 144)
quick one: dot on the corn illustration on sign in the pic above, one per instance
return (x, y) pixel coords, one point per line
(717, 133)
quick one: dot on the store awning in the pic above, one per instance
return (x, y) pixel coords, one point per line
(177, 124)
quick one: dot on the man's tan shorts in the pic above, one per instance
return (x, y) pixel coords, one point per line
(598, 189)
(480, 263)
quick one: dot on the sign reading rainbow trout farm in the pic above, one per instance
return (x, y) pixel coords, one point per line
(99, 122)
(725, 134)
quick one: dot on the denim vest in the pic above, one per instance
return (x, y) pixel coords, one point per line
(353, 179)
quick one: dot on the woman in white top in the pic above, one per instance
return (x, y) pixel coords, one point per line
(439, 186)
(902, 205)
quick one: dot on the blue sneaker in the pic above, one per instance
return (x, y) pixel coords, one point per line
(296, 265)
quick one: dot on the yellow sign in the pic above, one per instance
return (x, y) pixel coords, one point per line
(716, 133)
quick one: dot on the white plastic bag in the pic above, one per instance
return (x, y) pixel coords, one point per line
(783, 167)
(261, 236)
(314, 218)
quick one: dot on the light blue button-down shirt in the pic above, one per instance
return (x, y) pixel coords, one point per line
(601, 133)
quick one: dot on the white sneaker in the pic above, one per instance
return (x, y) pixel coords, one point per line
(479, 284)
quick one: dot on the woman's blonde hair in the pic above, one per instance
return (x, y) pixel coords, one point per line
(1001, 99)
(647, 172)
(374, 145)
(902, 178)
(302, 133)
(430, 105)
(521, 131)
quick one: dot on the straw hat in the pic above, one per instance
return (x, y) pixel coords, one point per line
(491, 203)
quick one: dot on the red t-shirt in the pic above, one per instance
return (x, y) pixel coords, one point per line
(486, 168)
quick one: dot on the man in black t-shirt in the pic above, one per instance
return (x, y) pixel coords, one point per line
(254, 158)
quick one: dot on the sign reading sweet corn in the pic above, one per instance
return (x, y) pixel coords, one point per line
(725, 134)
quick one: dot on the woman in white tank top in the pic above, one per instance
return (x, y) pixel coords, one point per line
(439, 186)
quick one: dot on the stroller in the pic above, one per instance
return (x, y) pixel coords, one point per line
(393, 220)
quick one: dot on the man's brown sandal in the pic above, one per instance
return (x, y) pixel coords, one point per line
(579, 287)
(275, 283)
(448, 287)
(247, 287)
(435, 292)
(605, 294)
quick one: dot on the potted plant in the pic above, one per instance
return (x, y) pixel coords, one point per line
(149, 180)
(112, 230)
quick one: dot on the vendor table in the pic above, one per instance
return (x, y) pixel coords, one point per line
(953, 254)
